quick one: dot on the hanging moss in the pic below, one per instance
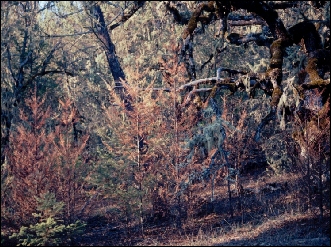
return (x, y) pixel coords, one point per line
(212, 135)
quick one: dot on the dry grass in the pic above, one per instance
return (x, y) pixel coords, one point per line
(283, 223)
(269, 219)
(284, 230)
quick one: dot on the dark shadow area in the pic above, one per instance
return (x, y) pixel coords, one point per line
(100, 232)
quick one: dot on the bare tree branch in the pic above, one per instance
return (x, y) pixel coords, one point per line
(49, 56)
(47, 6)
(9, 58)
(130, 13)
(259, 39)
(196, 82)
(282, 4)
(65, 35)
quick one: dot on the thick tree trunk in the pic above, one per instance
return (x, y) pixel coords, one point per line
(100, 30)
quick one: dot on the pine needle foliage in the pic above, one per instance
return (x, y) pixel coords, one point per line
(49, 231)
(44, 159)
(31, 157)
(70, 168)
(132, 151)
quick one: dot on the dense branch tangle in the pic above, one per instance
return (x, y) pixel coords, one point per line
(276, 37)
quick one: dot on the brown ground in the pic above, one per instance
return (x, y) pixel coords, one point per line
(271, 218)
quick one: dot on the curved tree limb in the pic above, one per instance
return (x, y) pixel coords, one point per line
(126, 15)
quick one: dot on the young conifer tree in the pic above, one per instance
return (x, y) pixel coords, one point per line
(178, 124)
(42, 159)
(131, 146)
(313, 136)
(70, 168)
(31, 157)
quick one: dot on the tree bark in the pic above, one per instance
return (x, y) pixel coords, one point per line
(99, 28)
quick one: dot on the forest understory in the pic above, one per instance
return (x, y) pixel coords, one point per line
(165, 123)
(274, 217)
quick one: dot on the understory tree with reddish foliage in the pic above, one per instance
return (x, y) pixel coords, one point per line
(313, 135)
(148, 145)
(177, 127)
(42, 159)
(70, 167)
(31, 158)
(132, 153)
(201, 94)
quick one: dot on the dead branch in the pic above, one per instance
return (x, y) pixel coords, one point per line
(257, 21)
(125, 16)
(196, 82)
(259, 39)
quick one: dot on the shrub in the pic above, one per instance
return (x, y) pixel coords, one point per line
(49, 230)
